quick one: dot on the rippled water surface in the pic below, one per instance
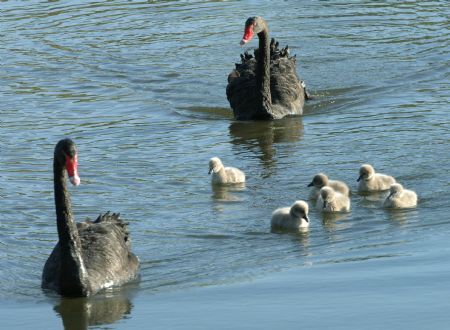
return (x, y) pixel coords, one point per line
(140, 87)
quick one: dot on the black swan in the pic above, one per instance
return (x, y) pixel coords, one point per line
(89, 256)
(265, 86)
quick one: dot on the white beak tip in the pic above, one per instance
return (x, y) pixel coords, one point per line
(75, 180)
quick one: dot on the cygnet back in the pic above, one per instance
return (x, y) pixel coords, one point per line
(293, 217)
(321, 180)
(330, 200)
(224, 175)
(400, 197)
(369, 180)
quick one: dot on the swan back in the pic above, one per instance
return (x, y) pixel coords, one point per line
(106, 250)
(287, 91)
(106, 255)
(400, 197)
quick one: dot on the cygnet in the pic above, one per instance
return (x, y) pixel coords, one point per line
(330, 200)
(321, 180)
(224, 175)
(400, 197)
(294, 217)
(371, 181)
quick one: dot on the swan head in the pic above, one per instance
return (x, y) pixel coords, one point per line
(366, 172)
(327, 194)
(320, 180)
(300, 210)
(253, 25)
(215, 165)
(66, 154)
(395, 189)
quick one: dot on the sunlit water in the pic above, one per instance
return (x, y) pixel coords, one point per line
(140, 87)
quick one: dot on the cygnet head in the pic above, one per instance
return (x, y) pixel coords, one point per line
(300, 210)
(366, 171)
(327, 195)
(396, 188)
(215, 164)
(320, 180)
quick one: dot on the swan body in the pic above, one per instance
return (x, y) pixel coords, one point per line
(330, 200)
(400, 197)
(294, 217)
(321, 180)
(89, 256)
(265, 86)
(224, 175)
(369, 180)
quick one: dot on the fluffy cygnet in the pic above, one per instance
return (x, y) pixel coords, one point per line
(321, 180)
(330, 200)
(224, 175)
(400, 197)
(371, 181)
(294, 217)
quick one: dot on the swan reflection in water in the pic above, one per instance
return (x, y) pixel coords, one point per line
(81, 313)
(260, 136)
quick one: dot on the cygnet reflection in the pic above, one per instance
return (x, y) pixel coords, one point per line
(227, 193)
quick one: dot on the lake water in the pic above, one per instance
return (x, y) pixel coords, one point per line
(140, 87)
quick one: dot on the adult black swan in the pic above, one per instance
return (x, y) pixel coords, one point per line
(89, 256)
(265, 86)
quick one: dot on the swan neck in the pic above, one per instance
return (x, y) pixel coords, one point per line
(263, 72)
(67, 230)
(73, 281)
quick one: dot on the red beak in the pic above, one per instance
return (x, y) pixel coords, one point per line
(248, 35)
(72, 169)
